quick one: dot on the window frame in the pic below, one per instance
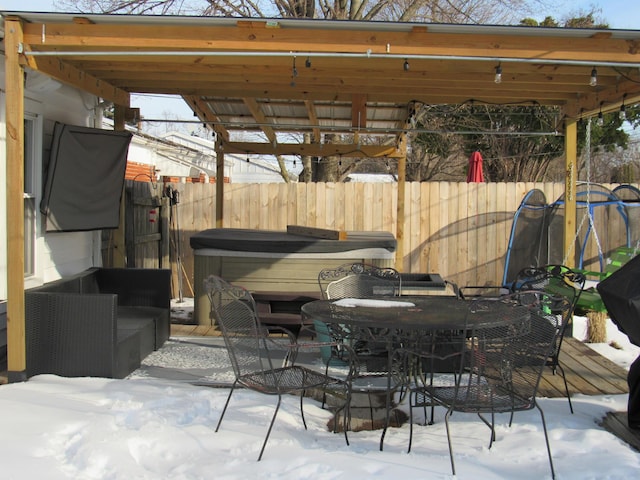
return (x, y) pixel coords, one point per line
(33, 141)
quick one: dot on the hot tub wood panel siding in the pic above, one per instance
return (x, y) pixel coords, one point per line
(265, 274)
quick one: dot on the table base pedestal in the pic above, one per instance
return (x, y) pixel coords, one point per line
(368, 412)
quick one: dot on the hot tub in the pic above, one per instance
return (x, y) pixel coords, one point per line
(277, 261)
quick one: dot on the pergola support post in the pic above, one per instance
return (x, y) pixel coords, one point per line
(219, 183)
(119, 235)
(571, 167)
(14, 85)
(402, 176)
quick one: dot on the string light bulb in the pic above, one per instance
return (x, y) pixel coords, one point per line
(406, 65)
(593, 80)
(498, 76)
(600, 121)
(623, 110)
(307, 62)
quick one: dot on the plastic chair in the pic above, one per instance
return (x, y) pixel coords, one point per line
(253, 355)
(502, 367)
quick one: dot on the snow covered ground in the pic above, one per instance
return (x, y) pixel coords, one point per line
(146, 427)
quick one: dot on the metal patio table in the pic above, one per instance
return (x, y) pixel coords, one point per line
(399, 322)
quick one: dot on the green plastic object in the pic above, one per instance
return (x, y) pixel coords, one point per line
(590, 298)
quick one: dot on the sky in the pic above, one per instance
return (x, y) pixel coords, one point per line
(152, 428)
(618, 13)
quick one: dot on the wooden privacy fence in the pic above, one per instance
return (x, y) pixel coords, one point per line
(459, 230)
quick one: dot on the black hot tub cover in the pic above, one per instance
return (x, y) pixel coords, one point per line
(273, 241)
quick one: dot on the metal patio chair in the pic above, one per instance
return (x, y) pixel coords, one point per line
(373, 373)
(559, 281)
(359, 280)
(253, 355)
(435, 358)
(502, 367)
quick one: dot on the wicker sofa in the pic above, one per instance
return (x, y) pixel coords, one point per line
(101, 322)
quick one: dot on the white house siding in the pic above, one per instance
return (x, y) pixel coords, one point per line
(57, 254)
(254, 171)
(237, 169)
(171, 161)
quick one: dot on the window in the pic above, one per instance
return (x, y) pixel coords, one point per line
(32, 180)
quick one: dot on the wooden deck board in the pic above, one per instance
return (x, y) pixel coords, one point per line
(183, 330)
(616, 423)
(588, 373)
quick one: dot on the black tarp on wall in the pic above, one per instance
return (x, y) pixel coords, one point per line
(84, 178)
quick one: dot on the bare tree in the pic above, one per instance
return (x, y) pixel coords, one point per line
(439, 11)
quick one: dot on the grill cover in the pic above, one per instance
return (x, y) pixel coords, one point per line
(620, 293)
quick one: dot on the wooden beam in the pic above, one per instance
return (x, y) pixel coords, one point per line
(14, 85)
(359, 111)
(356, 87)
(314, 149)
(251, 38)
(344, 69)
(589, 105)
(313, 120)
(260, 119)
(324, 233)
(204, 113)
(571, 165)
(67, 73)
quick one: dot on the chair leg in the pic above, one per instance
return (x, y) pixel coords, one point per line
(546, 439)
(491, 426)
(226, 404)
(304, 422)
(446, 423)
(566, 386)
(347, 417)
(273, 419)
(410, 421)
(386, 421)
(345, 423)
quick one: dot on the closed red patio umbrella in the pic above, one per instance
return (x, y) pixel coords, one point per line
(474, 173)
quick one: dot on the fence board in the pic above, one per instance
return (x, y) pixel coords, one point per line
(458, 230)
(493, 268)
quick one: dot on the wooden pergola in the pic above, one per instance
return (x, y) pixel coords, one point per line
(282, 78)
